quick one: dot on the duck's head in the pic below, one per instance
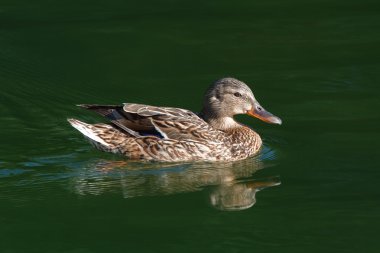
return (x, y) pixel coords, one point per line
(228, 97)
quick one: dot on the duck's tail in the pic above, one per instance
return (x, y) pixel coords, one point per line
(102, 136)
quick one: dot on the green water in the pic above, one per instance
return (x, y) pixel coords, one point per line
(313, 63)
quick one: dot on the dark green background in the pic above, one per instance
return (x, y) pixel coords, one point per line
(313, 63)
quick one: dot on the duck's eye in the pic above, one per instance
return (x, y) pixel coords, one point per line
(237, 94)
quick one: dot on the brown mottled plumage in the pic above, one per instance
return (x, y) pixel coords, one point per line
(173, 134)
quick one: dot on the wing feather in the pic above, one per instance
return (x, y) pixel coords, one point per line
(169, 122)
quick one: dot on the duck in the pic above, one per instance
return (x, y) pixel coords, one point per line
(168, 134)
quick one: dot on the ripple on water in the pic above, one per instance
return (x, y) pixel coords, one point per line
(12, 172)
(268, 154)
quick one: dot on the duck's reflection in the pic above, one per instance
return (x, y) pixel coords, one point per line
(239, 195)
(230, 185)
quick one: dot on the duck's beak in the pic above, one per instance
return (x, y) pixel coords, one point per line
(259, 112)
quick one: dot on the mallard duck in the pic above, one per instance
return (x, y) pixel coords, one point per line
(173, 135)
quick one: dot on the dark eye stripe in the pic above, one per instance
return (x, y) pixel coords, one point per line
(237, 94)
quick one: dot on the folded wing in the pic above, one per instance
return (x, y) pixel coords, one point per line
(171, 123)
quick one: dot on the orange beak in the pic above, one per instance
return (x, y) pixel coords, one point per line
(259, 112)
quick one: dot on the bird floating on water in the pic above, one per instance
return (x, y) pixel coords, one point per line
(169, 134)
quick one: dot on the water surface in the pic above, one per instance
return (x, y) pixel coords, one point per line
(314, 64)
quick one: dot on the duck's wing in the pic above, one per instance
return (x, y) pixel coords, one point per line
(170, 123)
(115, 114)
(175, 123)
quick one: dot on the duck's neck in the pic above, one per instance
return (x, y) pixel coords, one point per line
(221, 123)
